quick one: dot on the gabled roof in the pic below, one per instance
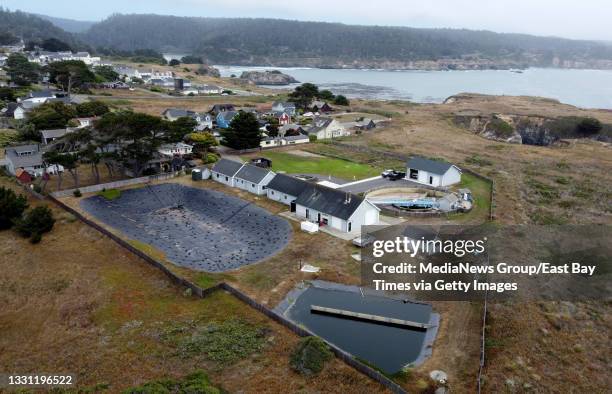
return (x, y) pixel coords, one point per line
(287, 184)
(329, 201)
(295, 137)
(57, 133)
(252, 173)
(227, 167)
(177, 112)
(31, 160)
(228, 115)
(42, 93)
(433, 166)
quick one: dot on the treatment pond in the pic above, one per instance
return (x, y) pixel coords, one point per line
(350, 320)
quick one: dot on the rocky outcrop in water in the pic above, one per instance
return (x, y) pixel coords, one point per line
(273, 77)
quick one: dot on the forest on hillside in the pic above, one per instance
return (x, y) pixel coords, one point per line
(251, 41)
(18, 25)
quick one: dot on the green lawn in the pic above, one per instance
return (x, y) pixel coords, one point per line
(481, 192)
(344, 169)
(110, 194)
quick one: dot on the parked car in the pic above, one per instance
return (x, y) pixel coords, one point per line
(395, 175)
(386, 173)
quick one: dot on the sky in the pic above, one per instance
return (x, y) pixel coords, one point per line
(583, 19)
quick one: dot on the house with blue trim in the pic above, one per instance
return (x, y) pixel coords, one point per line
(225, 118)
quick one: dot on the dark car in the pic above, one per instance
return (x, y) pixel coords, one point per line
(395, 175)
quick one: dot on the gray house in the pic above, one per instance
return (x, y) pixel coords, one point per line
(285, 189)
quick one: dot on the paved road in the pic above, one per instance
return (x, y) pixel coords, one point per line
(378, 183)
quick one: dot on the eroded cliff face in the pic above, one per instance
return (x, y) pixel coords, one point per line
(517, 129)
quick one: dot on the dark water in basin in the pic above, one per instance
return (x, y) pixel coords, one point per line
(388, 347)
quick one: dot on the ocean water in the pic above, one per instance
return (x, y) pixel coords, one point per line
(582, 88)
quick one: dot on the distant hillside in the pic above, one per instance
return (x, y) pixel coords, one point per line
(33, 28)
(283, 42)
(69, 25)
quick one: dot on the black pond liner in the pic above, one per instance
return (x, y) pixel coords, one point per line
(201, 229)
(389, 347)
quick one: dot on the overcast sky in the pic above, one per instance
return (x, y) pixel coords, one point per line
(582, 19)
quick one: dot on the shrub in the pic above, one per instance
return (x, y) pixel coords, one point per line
(210, 158)
(11, 207)
(196, 382)
(77, 193)
(310, 356)
(36, 222)
(312, 137)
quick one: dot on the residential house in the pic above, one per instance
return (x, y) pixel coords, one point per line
(325, 128)
(224, 171)
(218, 108)
(284, 106)
(432, 172)
(209, 89)
(283, 118)
(85, 122)
(41, 96)
(173, 114)
(48, 136)
(296, 139)
(225, 118)
(204, 120)
(253, 179)
(28, 158)
(175, 149)
(320, 106)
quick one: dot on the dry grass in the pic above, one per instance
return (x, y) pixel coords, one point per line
(79, 303)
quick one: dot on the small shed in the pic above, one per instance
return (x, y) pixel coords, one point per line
(261, 162)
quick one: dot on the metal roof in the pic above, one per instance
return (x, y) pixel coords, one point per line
(329, 201)
(287, 184)
(252, 173)
(433, 166)
(227, 167)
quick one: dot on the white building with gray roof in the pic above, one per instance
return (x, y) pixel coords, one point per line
(432, 172)
(253, 179)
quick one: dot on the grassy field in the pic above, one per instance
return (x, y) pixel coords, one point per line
(78, 303)
(295, 164)
(481, 193)
(110, 194)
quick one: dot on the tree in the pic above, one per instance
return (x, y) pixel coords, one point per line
(174, 62)
(70, 74)
(243, 132)
(588, 126)
(191, 60)
(6, 94)
(106, 74)
(179, 128)
(202, 142)
(54, 115)
(303, 95)
(51, 158)
(11, 207)
(55, 45)
(21, 71)
(326, 95)
(341, 100)
(36, 222)
(26, 131)
(92, 108)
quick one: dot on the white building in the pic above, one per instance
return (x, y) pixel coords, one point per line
(225, 170)
(432, 172)
(325, 128)
(319, 204)
(253, 179)
(178, 148)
